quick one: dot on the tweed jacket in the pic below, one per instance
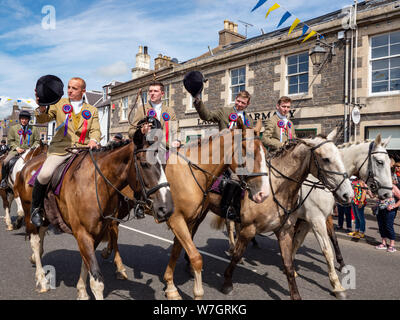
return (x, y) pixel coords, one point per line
(14, 138)
(220, 116)
(172, 125)
(272, 134)
(71, 139)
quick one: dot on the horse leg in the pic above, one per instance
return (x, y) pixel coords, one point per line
(246, 234)
(20, 214)
(86, 248)
(319, 229)
(332, 236)
(121, 271)
(81, 285)
(285, 239)
(301, 229)
(7, 218)
(36, 241)
(230, 226)
(183, 238)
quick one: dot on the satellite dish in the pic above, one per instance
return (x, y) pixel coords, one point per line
(175, 60)
(355, 115)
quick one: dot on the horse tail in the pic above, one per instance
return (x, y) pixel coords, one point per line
(217, 222)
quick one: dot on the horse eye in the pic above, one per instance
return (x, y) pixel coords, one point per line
(379, 162)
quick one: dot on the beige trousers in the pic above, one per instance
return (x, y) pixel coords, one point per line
(51, 164)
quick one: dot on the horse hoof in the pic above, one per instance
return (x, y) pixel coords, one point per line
(173, 295)
(341, 295)
(341, 267)
(82, 296)
(10, 228)
(121, 275)
(42, 289)
(227, 289)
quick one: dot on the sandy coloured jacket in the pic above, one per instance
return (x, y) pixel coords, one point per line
(71, 139)
(14, 138)
(272, 134)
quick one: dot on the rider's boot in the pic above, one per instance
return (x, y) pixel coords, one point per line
(230, 197)
(4, 176)
(38, 194)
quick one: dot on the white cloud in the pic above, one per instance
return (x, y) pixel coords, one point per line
(116, 69)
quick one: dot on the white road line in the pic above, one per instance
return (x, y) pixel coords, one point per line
(171, 242)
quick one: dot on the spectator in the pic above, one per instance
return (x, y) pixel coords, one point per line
(387, 210)
(358, 204)
(396, 174)
(344, 211)
(3, 147)
(118, 138)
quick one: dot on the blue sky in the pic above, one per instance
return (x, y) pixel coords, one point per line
(98, 40)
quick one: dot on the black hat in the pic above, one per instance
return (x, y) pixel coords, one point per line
(25, 114)
(49, 89)
(118, 136)
(3, 141)
(193, 82)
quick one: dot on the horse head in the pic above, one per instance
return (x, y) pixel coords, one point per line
(250, 163)
(326, 164)
(151, 181)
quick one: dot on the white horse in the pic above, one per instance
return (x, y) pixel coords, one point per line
(371, 164)
(8, 195)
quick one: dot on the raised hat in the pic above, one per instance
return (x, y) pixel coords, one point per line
(49, 90)
(194, 82)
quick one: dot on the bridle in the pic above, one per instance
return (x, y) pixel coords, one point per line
(139, 204)
(375, 185)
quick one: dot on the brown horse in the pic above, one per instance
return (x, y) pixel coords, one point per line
(89, 196)
(190, 187)
(289, 169)
(8, 195)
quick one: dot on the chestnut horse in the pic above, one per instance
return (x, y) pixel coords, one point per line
(289, 168)
(88, 200)
(190, 186)
(8, 195)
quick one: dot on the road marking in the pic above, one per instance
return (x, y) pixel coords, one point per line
(202, 252)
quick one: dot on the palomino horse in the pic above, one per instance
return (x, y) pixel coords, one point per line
(8, 195)
(111, 169)
(191, 179)
(316, 212)
(289, 168)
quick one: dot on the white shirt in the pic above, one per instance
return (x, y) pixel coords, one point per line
(77, 105)
(157, 109)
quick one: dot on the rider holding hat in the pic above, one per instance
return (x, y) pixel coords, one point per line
(21, 137)
(77, 126)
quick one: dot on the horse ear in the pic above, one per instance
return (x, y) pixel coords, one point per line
(386, 141)
(332, 135)
(240, 124)
(258, 127)
(378, 139)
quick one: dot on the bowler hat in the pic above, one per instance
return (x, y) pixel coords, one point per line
(49, 90)
(193, 82)
(118, 136)
(25, 114)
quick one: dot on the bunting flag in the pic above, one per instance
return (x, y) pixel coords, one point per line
(309, 35)
(259, 4)
(305, 29)
(294, 25)
(274, 7)
(284, 18)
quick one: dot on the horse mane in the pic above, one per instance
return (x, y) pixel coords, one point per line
(287, 146)
(350, 144)
(112, 145)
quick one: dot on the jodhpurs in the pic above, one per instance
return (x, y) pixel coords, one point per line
(49, 166)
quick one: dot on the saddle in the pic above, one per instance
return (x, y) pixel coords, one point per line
(53, 214)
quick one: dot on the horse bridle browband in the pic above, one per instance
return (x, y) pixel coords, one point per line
(375, 185)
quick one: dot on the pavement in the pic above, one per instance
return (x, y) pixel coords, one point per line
(372, 236)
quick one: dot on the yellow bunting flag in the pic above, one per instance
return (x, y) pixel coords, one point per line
(294, 25)
(274, 7)
(309, 35)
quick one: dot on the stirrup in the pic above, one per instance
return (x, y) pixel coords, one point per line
(232, 215)
(3, 184)
(37, 217)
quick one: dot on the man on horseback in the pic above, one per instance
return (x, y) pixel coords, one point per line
(80, 127)
(156, 108)
(279, 128)
(4, 147)
(20, 138)
(225, 117)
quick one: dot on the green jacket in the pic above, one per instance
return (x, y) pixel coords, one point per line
(272, 134)
(14, 137)
(220, 116)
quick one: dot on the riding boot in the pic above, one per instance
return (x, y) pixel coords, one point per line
(229, 209)
(4, 176)
(38, 194)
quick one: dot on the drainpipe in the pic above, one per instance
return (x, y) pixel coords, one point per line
(346, 90)
(351, 82)
(355, 63)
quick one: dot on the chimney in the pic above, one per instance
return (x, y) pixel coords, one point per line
(229, 34)
(142, 65)
(163, 62)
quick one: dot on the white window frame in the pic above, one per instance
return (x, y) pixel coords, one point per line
(124, 109)
(382, 93)
(297, 74)
(166, 97)
(231, 86)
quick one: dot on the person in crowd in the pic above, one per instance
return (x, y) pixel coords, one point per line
(344, 211)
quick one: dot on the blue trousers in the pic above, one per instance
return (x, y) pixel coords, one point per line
(359, 217)
(344, 211)
(385, 222)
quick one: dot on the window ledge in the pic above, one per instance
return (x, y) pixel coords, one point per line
(123, 121)
(384, 94)
(296, 97)
(190, 111)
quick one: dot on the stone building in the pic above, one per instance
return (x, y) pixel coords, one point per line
(358, 73)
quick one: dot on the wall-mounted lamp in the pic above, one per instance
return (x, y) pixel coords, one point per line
(319, 54)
